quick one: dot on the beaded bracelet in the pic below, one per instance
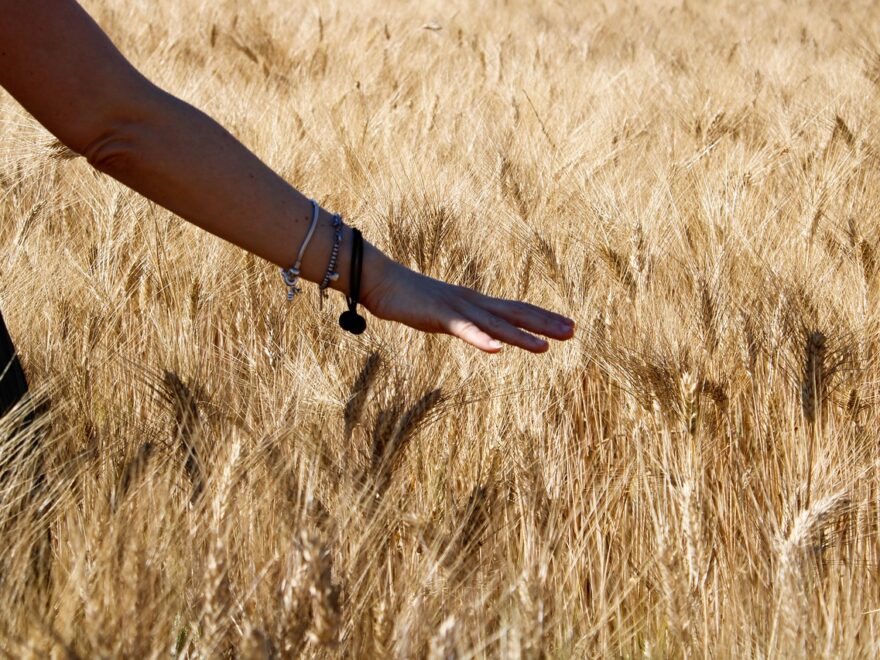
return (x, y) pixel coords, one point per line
(331, 275)
(291, 275)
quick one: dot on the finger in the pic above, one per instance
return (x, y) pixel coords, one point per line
(530, 317)
(497, 327)
(468, 331)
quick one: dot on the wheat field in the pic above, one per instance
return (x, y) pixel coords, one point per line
(213, 472)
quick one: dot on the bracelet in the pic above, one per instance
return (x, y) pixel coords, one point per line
(331, 275)
(291, 275)
(349, 319)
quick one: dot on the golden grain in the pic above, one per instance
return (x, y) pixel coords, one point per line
(694, 474)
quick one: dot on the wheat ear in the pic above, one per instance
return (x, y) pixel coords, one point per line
(325, 595)
(359, 392)
(186, 422)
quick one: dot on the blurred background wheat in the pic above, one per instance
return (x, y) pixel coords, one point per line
(214, 472)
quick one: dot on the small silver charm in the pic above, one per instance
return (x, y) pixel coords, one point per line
(291, 279)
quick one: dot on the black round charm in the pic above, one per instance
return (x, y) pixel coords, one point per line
(353, 322)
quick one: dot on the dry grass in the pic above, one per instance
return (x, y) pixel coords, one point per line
(695, 474)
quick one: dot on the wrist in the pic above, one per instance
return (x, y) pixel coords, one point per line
(379, 269)
(374, 268)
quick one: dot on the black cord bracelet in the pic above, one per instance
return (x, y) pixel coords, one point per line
(350, 320)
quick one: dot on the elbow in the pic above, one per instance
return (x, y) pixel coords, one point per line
(112, 151)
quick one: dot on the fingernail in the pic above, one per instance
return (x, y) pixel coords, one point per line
(494, 343)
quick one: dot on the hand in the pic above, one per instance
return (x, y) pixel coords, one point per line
(427, 304)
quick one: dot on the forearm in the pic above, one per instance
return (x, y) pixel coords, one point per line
(183, 160)
(64, 70)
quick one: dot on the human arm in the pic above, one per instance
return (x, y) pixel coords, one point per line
(62, 68)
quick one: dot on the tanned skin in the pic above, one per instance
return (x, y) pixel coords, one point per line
(64, 70)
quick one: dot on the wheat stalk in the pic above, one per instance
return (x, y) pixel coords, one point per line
(813, 378)
(443, 644)
(381, 626)
(391, 436)
(186, 424)
(359, 391)
(293, 603)
(256, 645)
(639, 261)
(134, 471)
(689, 387)
(620, 268)
(708, 318)
(325, 595)
(217, 601)
(670, 586)
(791, 580)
